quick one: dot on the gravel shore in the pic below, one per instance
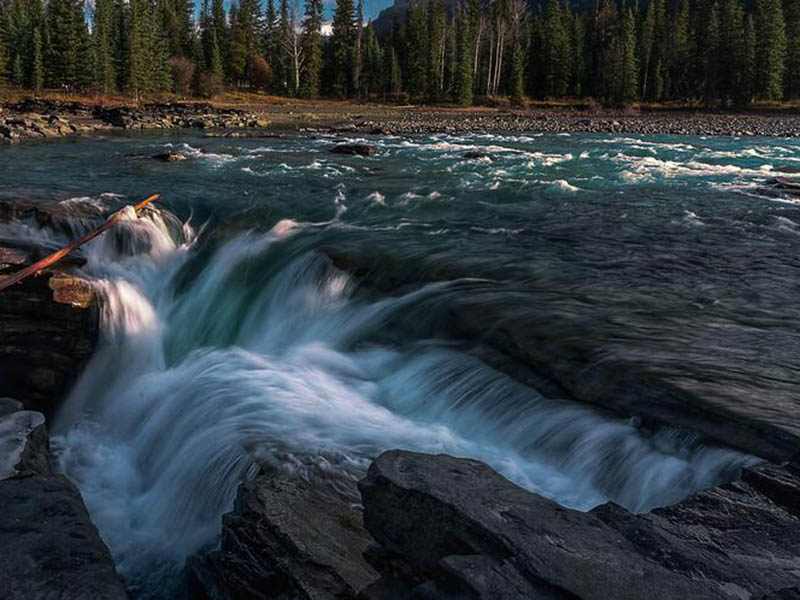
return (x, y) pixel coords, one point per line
(555, 121)
(35, 119)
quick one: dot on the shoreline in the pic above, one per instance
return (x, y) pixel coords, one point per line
(31, 119)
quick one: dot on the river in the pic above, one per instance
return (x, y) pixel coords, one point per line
(299, 314)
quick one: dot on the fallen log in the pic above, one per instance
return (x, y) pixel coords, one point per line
(60, 254)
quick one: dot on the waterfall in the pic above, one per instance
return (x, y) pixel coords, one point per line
(212, 365)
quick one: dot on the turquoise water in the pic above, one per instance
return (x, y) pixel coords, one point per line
(316, 309)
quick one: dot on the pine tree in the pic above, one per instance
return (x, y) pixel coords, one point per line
(681, 51)
(464, 92)
(748, 74)
(555, 50)
(237, 49)
(3, 53)
(711, 56)
(394, 82)
(37, 67)
(68, 36)
(103, 43)
(373, 64)
(792, 77)
(731, 44)
(578, 42)
(517, 14)
(358, 51)
(436, 40)
(282, 66)
(770, 49)
(312, 49)
(341, 45)
(215, 57)
(271, 30)
(416, 68)
(630, 67)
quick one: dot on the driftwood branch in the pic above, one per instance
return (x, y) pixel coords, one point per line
(57, 256)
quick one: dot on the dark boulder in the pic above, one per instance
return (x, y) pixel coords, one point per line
(454, 528)
(48, 330)
(355, 149)
(51, 549)
(287, 539)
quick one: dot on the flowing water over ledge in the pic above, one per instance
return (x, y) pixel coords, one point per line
(235, 341)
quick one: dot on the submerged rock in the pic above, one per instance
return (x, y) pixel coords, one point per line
(286, 538)
(51, 549)
(454, 528)
(354, 149)
(563, 350)
(169, 157)
(472, 155)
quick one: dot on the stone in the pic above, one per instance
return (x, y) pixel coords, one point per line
(169, 157)
(49, 325)
(355, 149)
(24, 447)
(475, 155)
(461, 530)
(286, 538)
(51, 549)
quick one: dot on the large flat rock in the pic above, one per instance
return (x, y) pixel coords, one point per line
(50, 548)
(286, 539)
(454, 528)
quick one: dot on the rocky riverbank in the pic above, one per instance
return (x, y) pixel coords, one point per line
(32, 119)
(439, 527)
(48, 323)
(40, 119)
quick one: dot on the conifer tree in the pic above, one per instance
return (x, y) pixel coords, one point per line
(373, 63)
(68, 36)
(464, 91)
(731, 46)
(395, 80)
(237, 49)
(680, 56)
(341, 44)
(630, 66)
(711, 55)
(312, 49)
(746, 86)
(578, 41)
(103, 44)
(358, 50)
(271, 30)
(792, 77)
(37, 67)
(282, 67)
(416, 69)
(555, 50)
(436, 41)
(770, 49)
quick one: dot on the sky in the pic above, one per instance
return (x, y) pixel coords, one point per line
(371, 7)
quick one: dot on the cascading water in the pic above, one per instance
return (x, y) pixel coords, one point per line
(244, 347)
(193, 389)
